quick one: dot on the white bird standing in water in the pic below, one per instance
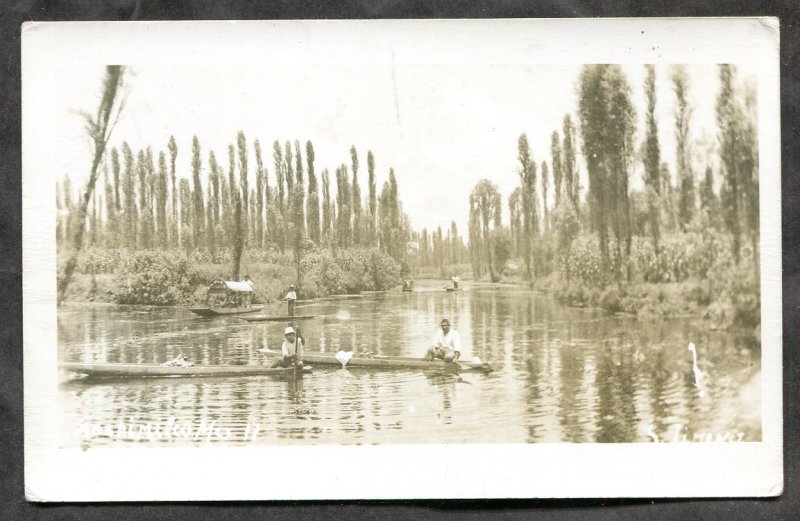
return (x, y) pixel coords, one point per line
(699, 377)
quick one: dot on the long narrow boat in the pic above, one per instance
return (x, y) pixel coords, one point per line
(452, 289)
(284, 318)
(157, 370)
(213, 312)
(390, 362)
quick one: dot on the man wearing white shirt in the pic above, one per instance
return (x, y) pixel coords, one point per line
(446, 345)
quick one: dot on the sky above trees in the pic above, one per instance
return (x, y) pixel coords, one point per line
(441, 127)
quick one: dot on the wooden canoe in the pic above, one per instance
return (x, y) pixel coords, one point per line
(452, 289)
(157, 370)
(286, 318)
(389, 362)
(213, 312)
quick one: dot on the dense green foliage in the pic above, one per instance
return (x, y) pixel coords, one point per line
(154, 277)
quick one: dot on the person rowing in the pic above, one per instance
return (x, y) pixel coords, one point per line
(291, 349)
(447, 344)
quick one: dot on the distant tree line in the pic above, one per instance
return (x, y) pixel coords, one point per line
(145, 203)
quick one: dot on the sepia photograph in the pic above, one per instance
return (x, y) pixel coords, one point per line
(319, 241)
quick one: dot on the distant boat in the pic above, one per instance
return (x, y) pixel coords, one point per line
(452, 289)
(227, 297)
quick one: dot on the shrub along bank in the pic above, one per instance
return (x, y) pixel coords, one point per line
(157, 277)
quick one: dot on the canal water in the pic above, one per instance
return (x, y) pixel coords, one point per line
(561, 375)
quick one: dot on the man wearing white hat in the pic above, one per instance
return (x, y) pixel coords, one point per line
(291, 349)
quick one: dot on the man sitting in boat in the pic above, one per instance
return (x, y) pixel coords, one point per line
(291, 349)
(290, 297)
(447, 344)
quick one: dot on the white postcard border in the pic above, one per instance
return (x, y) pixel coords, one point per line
(404, 471)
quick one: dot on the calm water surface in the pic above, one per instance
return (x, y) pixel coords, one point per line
(562, 375)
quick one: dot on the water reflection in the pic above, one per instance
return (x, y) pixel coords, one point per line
(562, 375)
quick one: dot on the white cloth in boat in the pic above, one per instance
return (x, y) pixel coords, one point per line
(290, 348)
(451, 341)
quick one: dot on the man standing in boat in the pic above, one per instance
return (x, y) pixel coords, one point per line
(291, 349)
(290, 297)
(248, 296)
(447, 344)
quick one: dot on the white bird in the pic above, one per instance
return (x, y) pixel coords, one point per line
(343, 357)
(699, 377)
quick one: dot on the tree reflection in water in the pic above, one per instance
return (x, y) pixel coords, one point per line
(561, 374)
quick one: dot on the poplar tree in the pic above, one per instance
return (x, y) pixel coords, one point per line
(485, 202)
(555, 154)
(545, 187)
(129, 193)
(344, 233)
(186, 215)
(312, 204)
(373, 200)
(683, 112)
(728, 151)
(299, 212)
(356, 205)
(288, 170)
(161, 200)
(241, 144)
(197, 201)
(569, 167)
(527, 175)
(652, 158)
(214, 198)
(115, 167)
(277, 157)
(607, 127)
(259, 210)
(327, 209)
(173, 155)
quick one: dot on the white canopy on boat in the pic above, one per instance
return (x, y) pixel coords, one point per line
(240, 286)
